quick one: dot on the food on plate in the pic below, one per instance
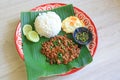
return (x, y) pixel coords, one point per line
(82, 36)
(37, 64)
(32, 36)
(71, 23)
(60, 50)
(26, 29)
(48, 24)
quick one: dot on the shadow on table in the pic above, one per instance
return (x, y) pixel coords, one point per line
(15, 69)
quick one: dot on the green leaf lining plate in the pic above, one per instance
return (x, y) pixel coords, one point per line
(94, 30)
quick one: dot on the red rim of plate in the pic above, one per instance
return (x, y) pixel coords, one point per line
(61, 4)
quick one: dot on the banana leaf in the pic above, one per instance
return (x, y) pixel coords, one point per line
(36, 64)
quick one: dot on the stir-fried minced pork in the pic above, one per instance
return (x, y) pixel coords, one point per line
(60, 50)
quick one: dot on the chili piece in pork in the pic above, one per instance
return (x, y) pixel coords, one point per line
(60, 50)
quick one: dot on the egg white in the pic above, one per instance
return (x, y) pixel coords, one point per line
(68, 27)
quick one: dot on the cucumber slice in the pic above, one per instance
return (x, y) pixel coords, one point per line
(32, 36)
(26, 29)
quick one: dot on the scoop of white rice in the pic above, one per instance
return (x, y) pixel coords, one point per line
(48, 24)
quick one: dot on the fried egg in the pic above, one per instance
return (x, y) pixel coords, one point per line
(71, 23)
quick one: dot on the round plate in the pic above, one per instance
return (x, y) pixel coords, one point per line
(79, 13)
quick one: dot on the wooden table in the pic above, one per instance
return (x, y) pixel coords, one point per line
(106, 62)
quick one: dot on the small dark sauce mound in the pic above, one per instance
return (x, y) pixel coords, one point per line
(82, 36)
(60, 50)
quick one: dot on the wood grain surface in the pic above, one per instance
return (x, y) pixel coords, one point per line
(106, 62)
